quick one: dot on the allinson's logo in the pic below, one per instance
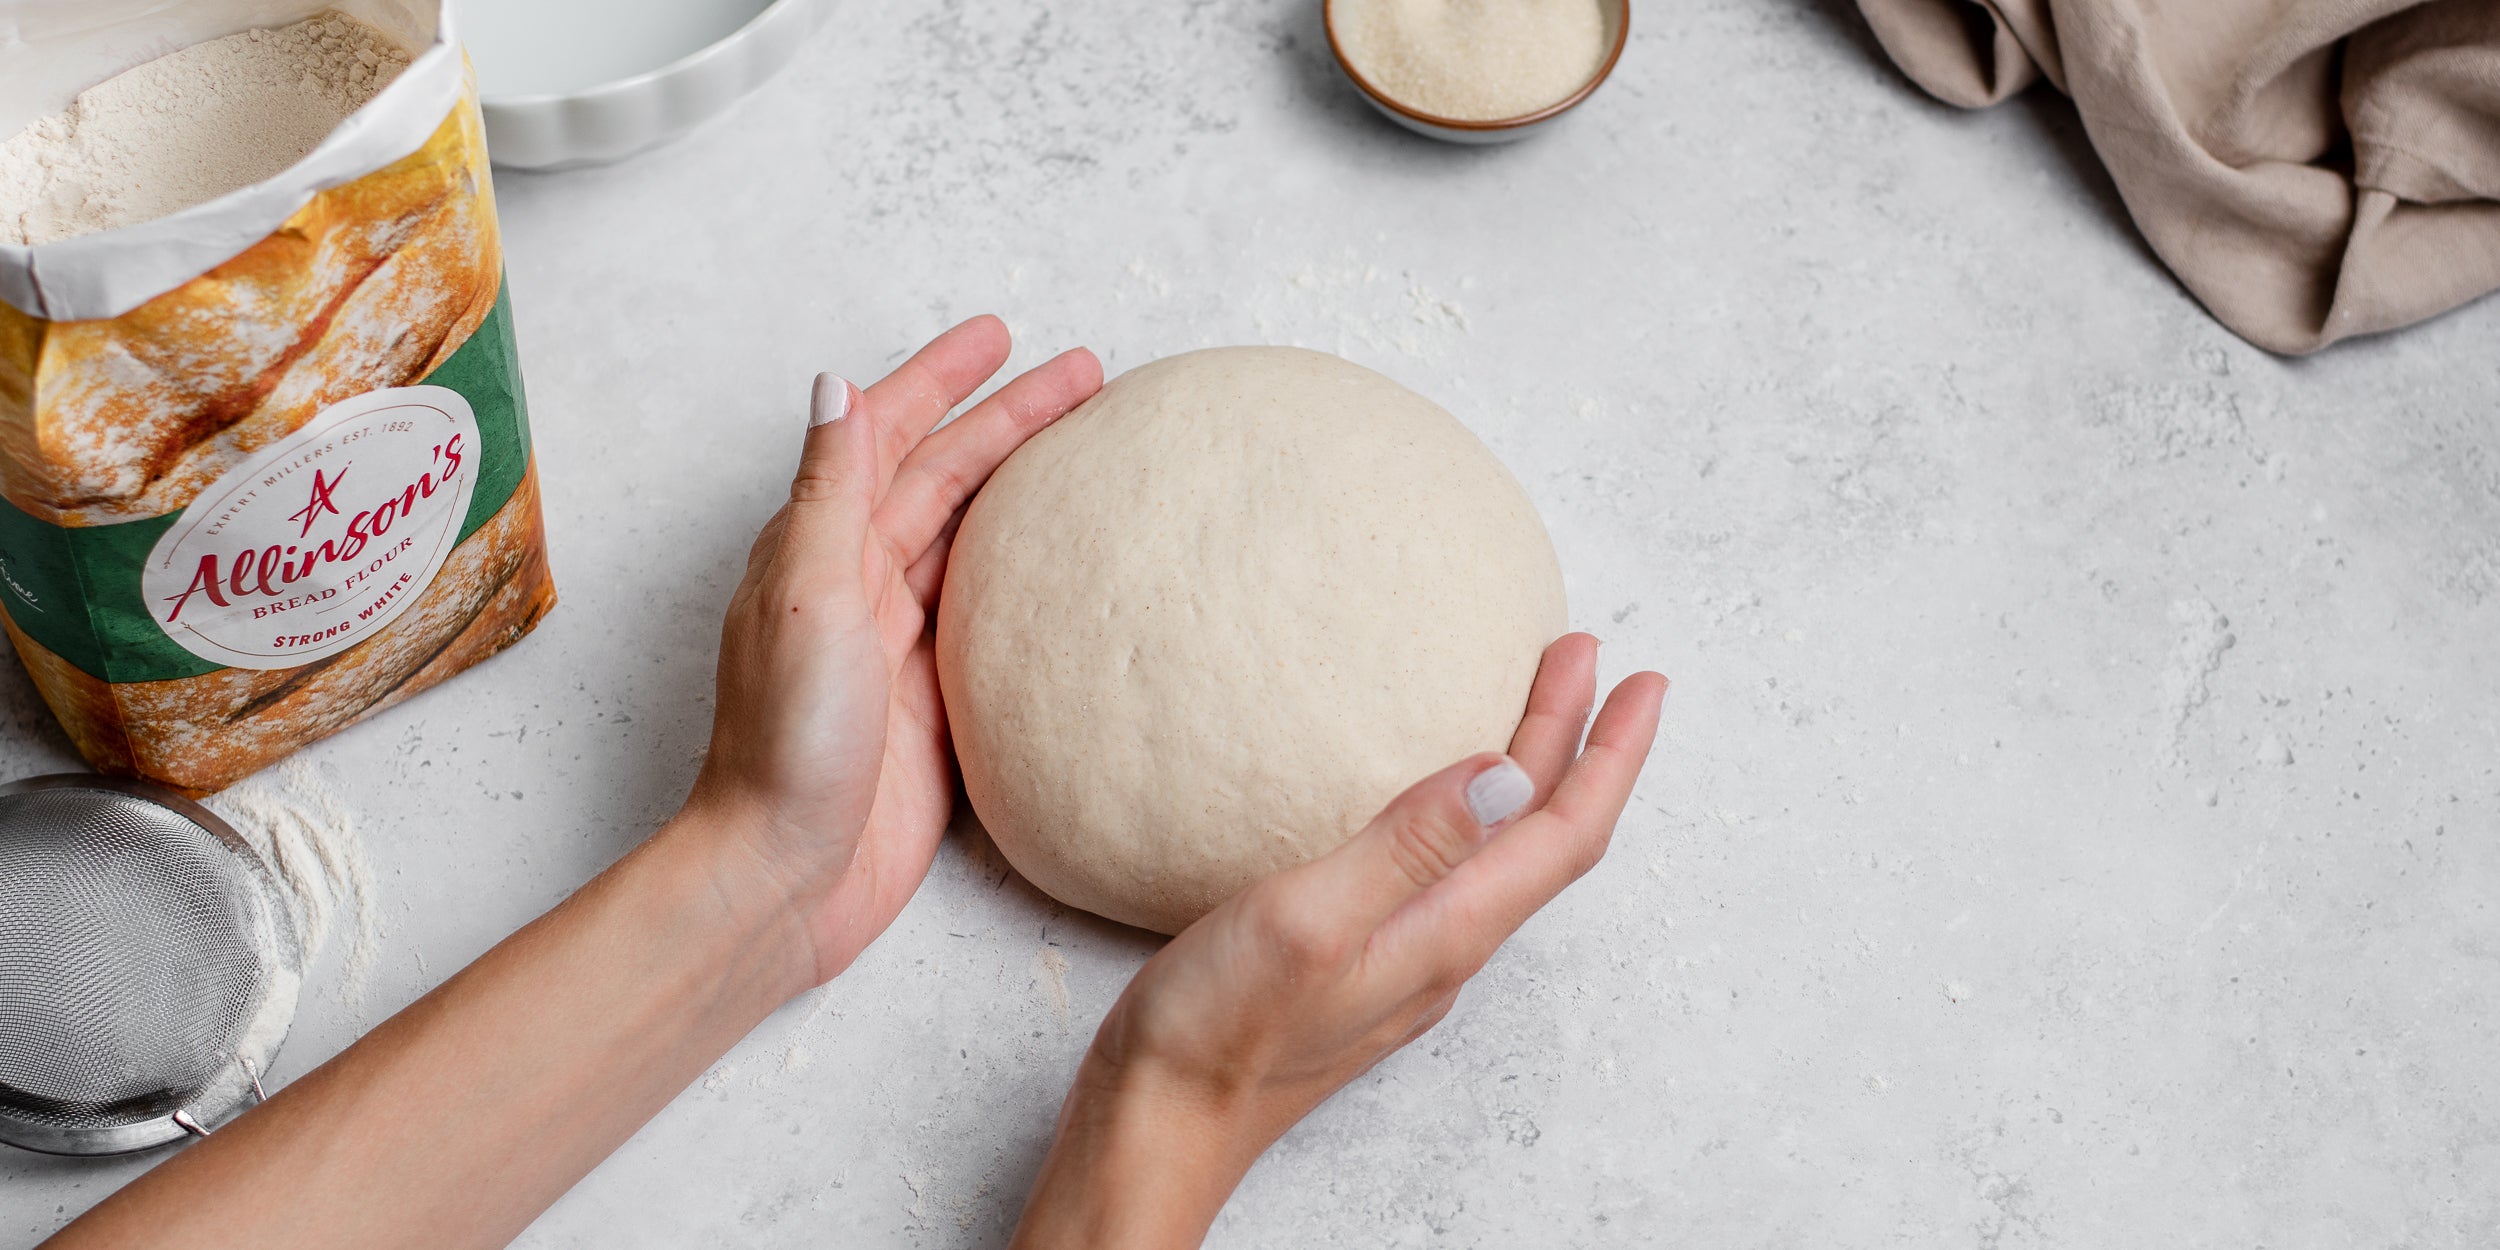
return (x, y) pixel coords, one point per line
(323, 538)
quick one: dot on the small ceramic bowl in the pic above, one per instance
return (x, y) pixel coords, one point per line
(609, 121)
(1460, 130)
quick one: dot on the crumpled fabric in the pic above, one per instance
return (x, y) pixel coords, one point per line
(2310, 169)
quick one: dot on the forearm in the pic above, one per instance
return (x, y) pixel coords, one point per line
(460, 1119)
(1136, 1165)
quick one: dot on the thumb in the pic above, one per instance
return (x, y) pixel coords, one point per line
(1422, 836)
(834, 493)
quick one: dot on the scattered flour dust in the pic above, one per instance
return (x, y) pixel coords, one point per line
(309, 839)
(1343, 302)
(1050, 975)
(187, 128)
(796, 1057)
(266, 1030)
(1350, 306)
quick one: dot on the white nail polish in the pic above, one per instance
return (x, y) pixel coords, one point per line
(832, 401)
(1498, 793)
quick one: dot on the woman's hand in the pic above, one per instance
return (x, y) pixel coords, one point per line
(830, 766)
(1277, 999)
(457, 1121)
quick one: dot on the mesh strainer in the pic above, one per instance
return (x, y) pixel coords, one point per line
(148, 967)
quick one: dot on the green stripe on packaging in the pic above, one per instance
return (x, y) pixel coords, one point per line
(75, 588)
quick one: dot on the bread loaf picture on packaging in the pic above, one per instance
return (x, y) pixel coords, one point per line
(289, 492)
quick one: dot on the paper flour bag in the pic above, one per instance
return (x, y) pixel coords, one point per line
(264, 461)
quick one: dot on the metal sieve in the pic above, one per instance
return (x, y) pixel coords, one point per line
(148, 967)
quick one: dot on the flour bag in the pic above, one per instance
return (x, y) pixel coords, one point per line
(264, 462)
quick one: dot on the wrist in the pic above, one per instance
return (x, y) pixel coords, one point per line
(1142, 1158)
(750, 902)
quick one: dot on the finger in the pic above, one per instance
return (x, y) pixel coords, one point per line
(1593, 792)
(914, 398)
(1416, 842)
(942, 473)
(902, 623)
(834, 492)
(1558, 709)
(927, 575)
(1487, 898)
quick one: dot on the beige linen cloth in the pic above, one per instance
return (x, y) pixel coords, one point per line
(2311, 169)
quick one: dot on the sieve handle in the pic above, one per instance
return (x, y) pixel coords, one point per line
(197, 1129)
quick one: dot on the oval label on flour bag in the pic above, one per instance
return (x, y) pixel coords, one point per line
(323, 538)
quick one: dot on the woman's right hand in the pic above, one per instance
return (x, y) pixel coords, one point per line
(830, 771)
(1277, 999)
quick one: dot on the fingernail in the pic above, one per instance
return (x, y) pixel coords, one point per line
(1497, 793)
(832, 401)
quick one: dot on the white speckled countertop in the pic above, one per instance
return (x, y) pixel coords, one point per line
(2075, 824)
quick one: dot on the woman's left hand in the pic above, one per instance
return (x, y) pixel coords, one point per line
(830, 767)
(1272, 1002)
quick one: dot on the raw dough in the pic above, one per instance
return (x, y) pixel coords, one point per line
(1203, 627)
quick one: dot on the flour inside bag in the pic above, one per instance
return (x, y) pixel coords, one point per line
(186, 128)
(264, 456)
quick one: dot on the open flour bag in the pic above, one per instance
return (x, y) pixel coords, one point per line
(264, 460)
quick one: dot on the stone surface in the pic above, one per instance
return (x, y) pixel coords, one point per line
(2075, 823)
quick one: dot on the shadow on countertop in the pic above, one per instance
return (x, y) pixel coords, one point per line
(2045, 109)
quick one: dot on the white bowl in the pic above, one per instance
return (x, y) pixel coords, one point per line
(559, 125)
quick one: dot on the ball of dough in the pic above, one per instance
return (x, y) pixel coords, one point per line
(1206, 625)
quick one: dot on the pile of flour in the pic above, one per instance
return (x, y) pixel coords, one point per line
(309, 839)
(187, 128)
